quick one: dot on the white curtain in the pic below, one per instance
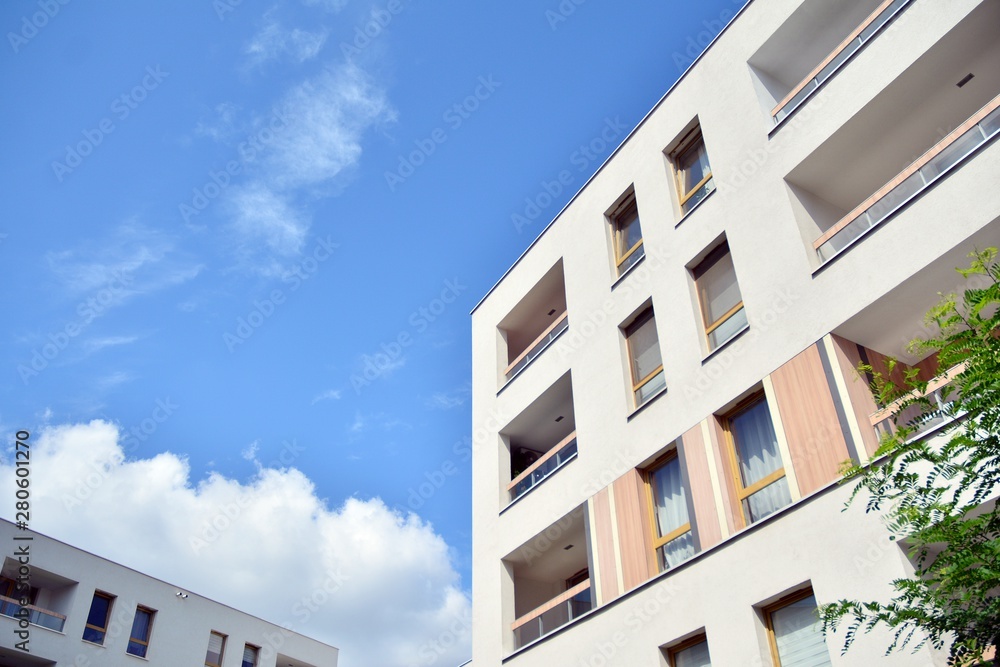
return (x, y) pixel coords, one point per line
(693, 656)
(757, 450)
(798, 634)
(671, 513)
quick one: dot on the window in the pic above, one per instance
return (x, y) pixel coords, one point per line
(250, 655)
(97, 619)
(672, 539)
(692, 171)
(138, 640)
(692, 653)
(216, 648)
(644, 357)
(719, 294)
(627, 235)
(760, 474)
(794, 632)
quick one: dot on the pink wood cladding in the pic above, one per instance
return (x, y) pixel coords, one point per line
(633, 531)
(706, 516)
(858, 391)
(604, 542)
(815, 438)
(723, 463)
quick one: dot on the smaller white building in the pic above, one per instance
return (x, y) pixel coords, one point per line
(64, 607)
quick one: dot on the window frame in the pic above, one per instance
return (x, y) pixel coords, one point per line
(222, 649)
(777, 605)
(672, 651)
(256, 657)
(690, 141)
(698, 271)
(149, 632)
(647, 475)
(744, 492)
(644, 316)
(621, 255)
(107, 618)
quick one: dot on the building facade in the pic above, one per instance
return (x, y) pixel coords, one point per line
(665, 383)
(86, 611)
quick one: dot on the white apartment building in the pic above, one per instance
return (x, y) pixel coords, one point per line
(86, 611)
(664, 383)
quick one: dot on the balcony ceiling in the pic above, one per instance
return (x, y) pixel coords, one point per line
(530, 317)
(536, 427)
(545, 557)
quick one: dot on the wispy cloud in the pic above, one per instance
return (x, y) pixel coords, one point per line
(328, 395)
(328, 5)
(446, 401)
(93, 345)
(262, 217)
(275, 42)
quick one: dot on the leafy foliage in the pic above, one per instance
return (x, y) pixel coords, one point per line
(938, 492)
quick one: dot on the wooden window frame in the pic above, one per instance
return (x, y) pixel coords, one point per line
(744, 492)
(617, 235)
(149, 631)
(647, 474)
(690, 141)
(715, 254)
(791, 598)
(672, 651)
(646, 315)
(222, 649)
(89, 626)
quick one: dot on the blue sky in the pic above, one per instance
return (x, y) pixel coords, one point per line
(240, 245)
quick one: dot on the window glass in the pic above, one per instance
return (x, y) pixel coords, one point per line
(138, 641)
(671, 514)
(644, 357)
(719, 294)
(798, 635)
(97, 619)
(758, 457)
(628, 236)
(693, 656)
(216, 646)
(250, 656)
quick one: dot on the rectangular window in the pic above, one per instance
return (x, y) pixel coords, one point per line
(644, 357)
(627, 235)
(672, 538)
(142, 626)
(250, 655)
(693, 653)
(216, 649)
(692, 171)
(760, 473)
(97, 619)
(719, 294)
(795, 632)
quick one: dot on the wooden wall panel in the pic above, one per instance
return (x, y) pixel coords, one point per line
(604, 543)
(815, 438)
(723, 463)
(706, 515)
(860, 395)
(633, 528)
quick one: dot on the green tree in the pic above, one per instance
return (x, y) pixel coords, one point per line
(937, 493)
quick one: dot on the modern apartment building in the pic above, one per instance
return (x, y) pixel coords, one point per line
(665, 384)
(85, 611)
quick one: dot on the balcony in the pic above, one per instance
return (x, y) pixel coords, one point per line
(49, 597)
(937, 116)
(920, 175)
(551, 580)
(884, 421)
(36, 615)
(541, 439)
(827, 33)
(535, 322)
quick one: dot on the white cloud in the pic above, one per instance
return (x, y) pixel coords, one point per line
(274, 42)
(399, 594)
(93, 345)
(444, 401)
(328, 395)
(328, 5)
(262, 217)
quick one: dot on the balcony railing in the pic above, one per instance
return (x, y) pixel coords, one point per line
(936, 163)
(884, 421)
(547, 464)
(552, 615)
(536, 347)
(851, 45)
(36, 615)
